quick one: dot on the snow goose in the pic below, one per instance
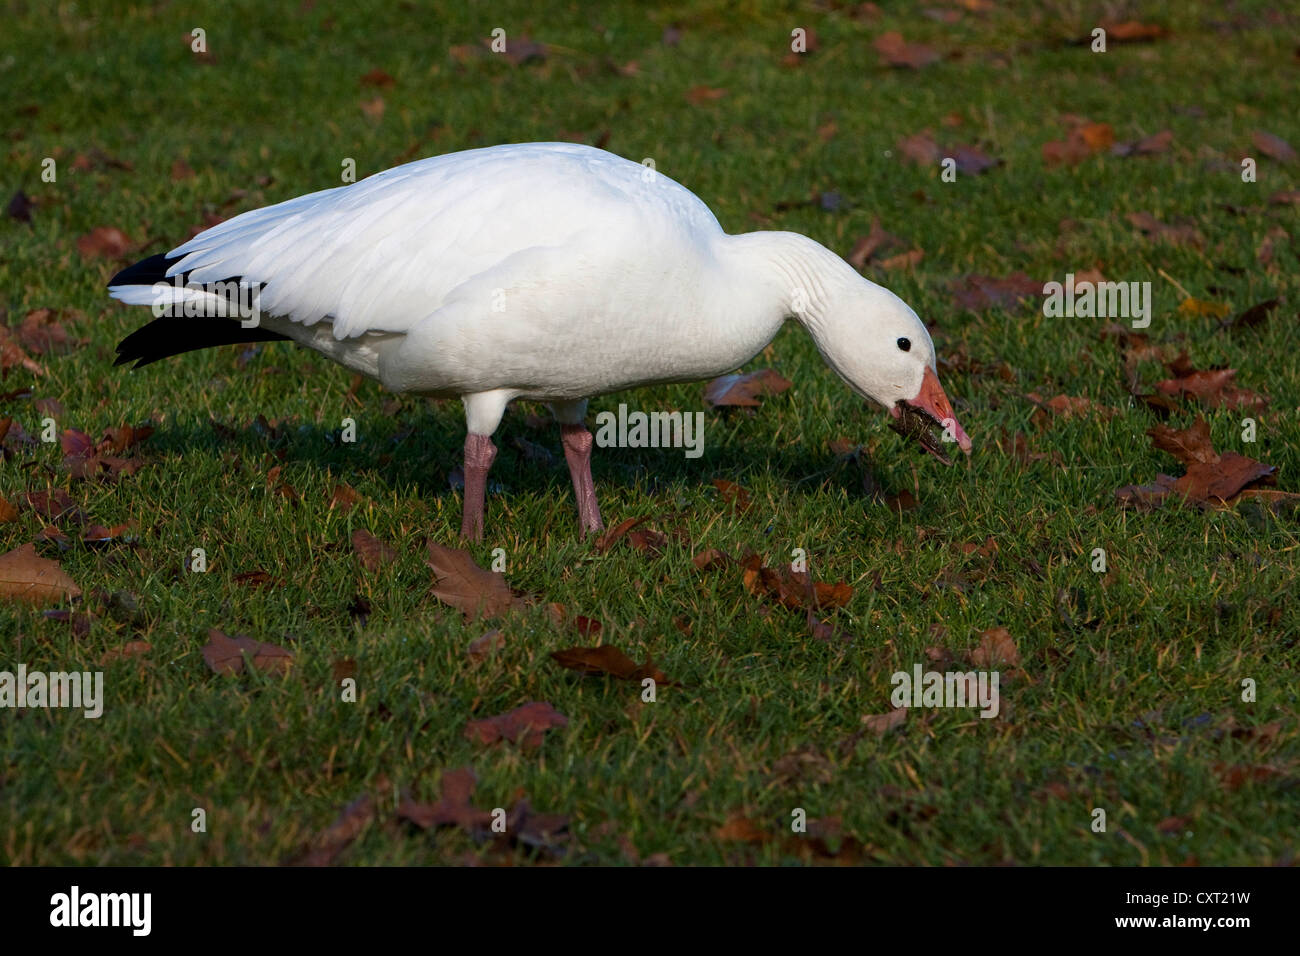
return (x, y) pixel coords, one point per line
(542, 271)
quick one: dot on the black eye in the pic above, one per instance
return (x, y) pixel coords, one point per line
(904, 344)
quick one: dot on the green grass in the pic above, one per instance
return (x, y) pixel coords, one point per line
(1131, 714)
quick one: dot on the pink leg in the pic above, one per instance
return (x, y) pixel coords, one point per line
(479, 455)
(577, 452)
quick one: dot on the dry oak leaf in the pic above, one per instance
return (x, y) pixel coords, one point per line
(106, 241)
(225, 655)
(338, 836)
(881, 724)
(1211, 479)
(26, 576)
(1274, 147)
(526, 724)
(461, 583)
(372, 552)
(895, 51)
(452, 809)
(996, 648)
(1214, 388)
(608, 660)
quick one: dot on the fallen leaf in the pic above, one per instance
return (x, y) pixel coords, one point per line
(996, 648)
(734, 495)
(526, 724)
(125, 652)
(1274, 147)
(895, 51)
(461, 583)
(698, 95)
(336, 838)
(373, 553)
(1211, 480)
(978, 293)
(1183, 233)
(105, 241)
(1146, 146)
(881, 724)
(481, 647)
(26, 576)
(345, 498)
(226, 655)
(378, 78)
(608, 660)
(453, 808)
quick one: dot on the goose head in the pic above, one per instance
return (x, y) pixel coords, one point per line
(882, 350)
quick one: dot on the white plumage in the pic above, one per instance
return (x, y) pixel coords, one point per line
(545, 271)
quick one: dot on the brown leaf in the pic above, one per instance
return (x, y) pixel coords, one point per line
(481, 647)
(978, 293)
(698, 95)
(867, 246)
(744, 390)
(1274, 147)
(453, 809)
(996, 648)
(710, 559)
(374, 108)
(526, 724)
(345, 498)
(379, 79)
(332, 841)
(461, 583)
(125, 652)
(1211, 479)
(26, 576)
(1214, 388)
(972, 161)
(608, 660)
(895, 51)
(904, 260)
(7, 511)
(881, 724)
(226, 655)
(55, 505)
(921, 148)
(1181, 234)
(373, 553)
(1147, 145)
(616, 533)
(1082, 141)
(1131, 31)
(740, 829)
(108, 242)
(1254, 316)
(734, 495)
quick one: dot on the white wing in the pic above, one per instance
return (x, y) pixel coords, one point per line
(384, 253)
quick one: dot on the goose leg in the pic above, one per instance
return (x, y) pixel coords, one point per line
(577, 452)
(479, 455)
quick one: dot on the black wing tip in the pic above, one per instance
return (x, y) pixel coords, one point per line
(146, 271)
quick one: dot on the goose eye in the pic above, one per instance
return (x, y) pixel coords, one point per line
(904, 344)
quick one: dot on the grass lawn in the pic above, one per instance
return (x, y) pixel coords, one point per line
(1124, 692)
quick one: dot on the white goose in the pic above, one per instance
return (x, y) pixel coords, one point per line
(542, 271)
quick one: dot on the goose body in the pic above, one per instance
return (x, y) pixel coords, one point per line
(545, 271)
